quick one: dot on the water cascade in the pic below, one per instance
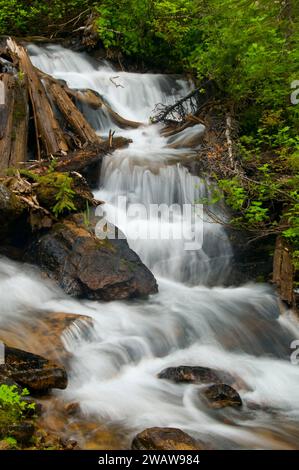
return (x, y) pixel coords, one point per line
(194, 319)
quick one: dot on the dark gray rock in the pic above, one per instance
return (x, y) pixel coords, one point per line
(195, 374)
(86, 266)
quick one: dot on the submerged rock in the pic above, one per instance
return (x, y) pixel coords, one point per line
(195, 374)
(221, 396)
(31, 371)
(87, 266)
(165, 439)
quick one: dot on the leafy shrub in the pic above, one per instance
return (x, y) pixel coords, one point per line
(12, 405)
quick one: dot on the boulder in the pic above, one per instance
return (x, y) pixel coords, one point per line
(165, 439)
(31, 371)
(221, 396)
(85, 265)
(195, 374)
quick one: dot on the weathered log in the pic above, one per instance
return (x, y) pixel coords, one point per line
(82, 158)
(19, 138)
(283, 271)
(92, 99)
(48, 128)
(7, 83)
(72, 115)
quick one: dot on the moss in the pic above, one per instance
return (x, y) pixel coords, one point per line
(106, 243)
(125, 264)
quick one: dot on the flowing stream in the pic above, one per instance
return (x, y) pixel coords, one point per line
(193, 320)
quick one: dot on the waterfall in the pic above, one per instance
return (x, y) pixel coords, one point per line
(193, 320)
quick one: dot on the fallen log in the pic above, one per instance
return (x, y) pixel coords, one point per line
(72, 115)
(6, 119)
(18, 153)
(82, 158)
(47, 126)
(92, 99)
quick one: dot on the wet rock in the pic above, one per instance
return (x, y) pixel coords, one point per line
(42, 333)
(195, 374)
(221, 396)
(48, 440)
(32, 371)
(72, 409)
(90, 267)
(165, 439)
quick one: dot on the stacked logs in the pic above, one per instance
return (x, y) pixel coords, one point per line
(40, 112)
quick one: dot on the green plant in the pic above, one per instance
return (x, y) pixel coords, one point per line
(64, 196)
(11, 401)
(12, 442)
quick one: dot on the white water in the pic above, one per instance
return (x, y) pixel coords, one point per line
(113, 372)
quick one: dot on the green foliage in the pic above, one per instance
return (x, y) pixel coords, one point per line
(248, 49)
(12, 401)
(61, 185)
(12, 442)
(33, 17)
(156, 31)
(54, 190)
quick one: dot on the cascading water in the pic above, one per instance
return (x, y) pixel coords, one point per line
(113, 373)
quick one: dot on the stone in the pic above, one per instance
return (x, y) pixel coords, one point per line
(22, 432)
(87, 266)
(32, 371)
(195, 374)
(42, 333)
(165, 439)
(221, 396)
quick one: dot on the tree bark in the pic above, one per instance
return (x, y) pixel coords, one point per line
(48, 129)
(82, 158)
(6, 119)
(73, 116)
(18, 153)
(283, 272)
